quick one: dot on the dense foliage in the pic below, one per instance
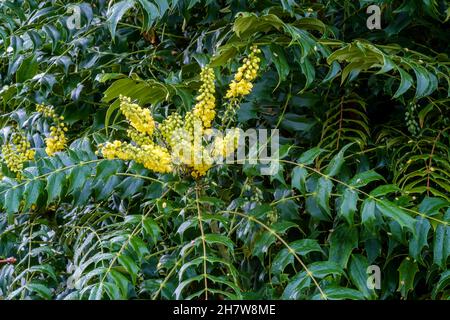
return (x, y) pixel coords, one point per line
(364, 169)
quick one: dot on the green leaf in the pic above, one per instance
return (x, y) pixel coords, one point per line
(444, 282)
(309, 156)
(407, 270)
(32, 191)
(139, 247)
(384, 190)
(262, 244)
(348, 205)
(77, 178)
(55, 183)
(323, 193)
(151, 228)
(107, 168)
(280, 61)
(393, 212)
(417, 243)
(364, 178)
(283, 258)
(358, 275)
(45, 269)
(27, 70)
(405, 83)
(424, 83)
(441, 245)
(121, 282)
(336, 163)
(305, 246)
(151, 13)
(322, 269)
(340, 293)
(299, 179)
(130, 186)
(12, 199)
(41, 290)
(131, 267)
(368, 216)
(116, 12)
(342, 242)
(295, 286)
(218, 238)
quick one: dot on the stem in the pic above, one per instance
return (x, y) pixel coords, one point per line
(200, 223)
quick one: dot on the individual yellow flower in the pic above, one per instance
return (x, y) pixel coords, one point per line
(242, 85)
(139, 118)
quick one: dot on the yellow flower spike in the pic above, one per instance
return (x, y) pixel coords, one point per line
(151, 156)
(242, 85)
(169, 127)
(139, 118)
(57, 140)
(204, 109)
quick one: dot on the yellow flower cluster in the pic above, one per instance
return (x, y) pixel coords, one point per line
(171, 129)
(182, 136)
(151, 156)
(203, 164)
(224, 146)
(57, 139)
(46, 111)
(138, 137)
(139, 118)
(206, 102)
(16, 153)
(242, 83)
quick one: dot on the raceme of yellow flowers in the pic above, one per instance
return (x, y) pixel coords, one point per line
(57, 140)
(16, 153)
(242, 83)
(181, 139)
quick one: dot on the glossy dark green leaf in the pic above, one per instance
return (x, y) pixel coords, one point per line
(342, 242)
(393, 212)
(441, 244)
(407, 272)
(131, 267)
(420, 241)
(299, 179)
(116, 12)
(33, 190)
(55, 184)
(219, 239)
(358, 274)
(348, 205)
(336, 163)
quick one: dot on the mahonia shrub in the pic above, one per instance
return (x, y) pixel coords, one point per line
(116, 130)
